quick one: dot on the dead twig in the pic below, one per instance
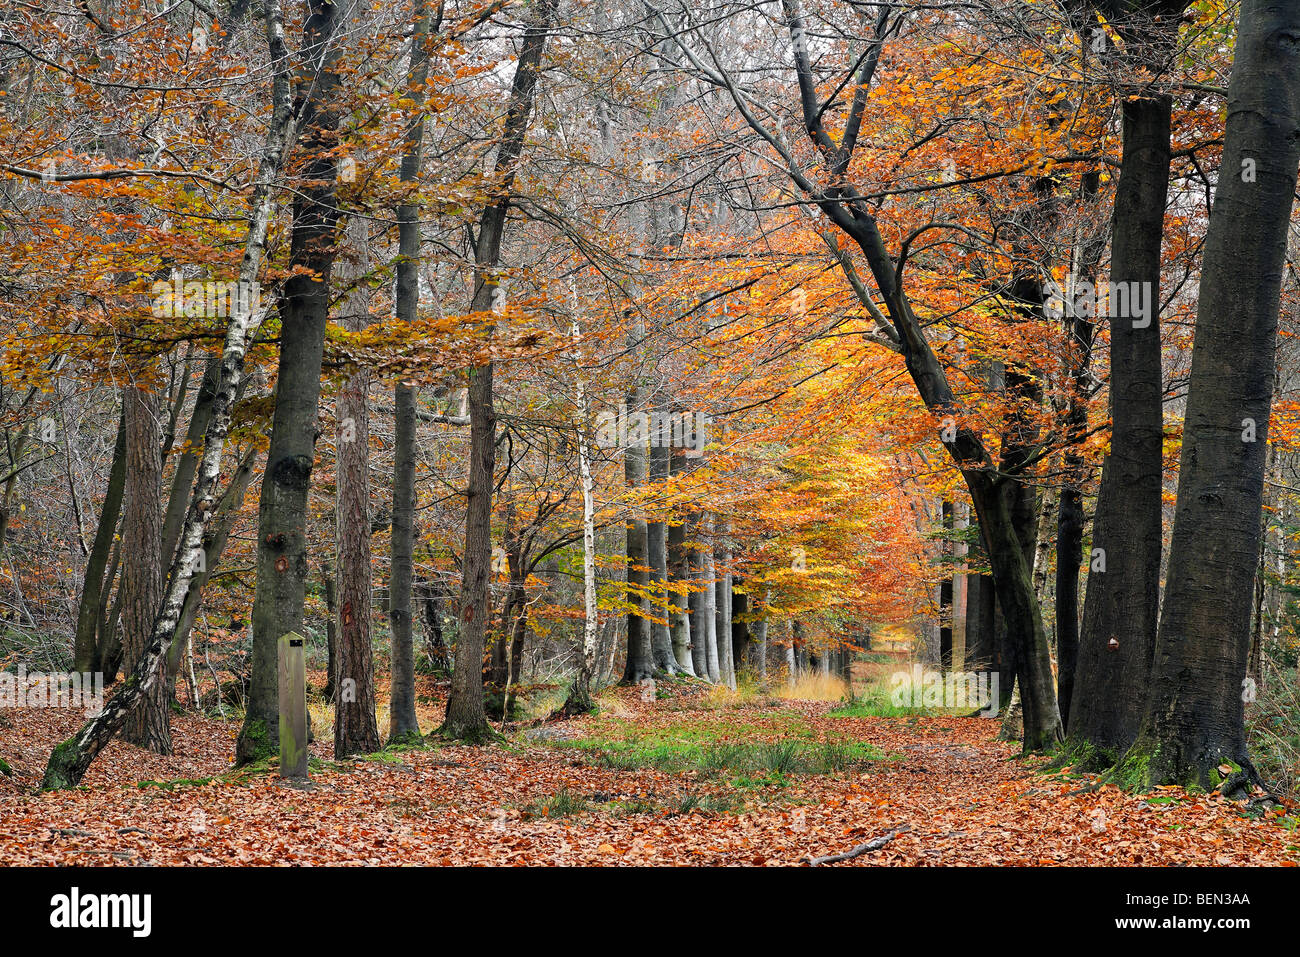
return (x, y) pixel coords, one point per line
(875, 844)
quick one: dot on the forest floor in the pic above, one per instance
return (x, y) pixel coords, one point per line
(690, 776)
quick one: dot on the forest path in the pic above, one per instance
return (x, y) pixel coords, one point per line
(689, 777)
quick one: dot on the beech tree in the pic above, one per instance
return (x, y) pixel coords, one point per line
(1192, 730)
(282, 568)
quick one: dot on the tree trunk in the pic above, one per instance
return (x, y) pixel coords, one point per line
(355, 728)
(85, 644)
(149, 723)
(466, 718)
(282, 567)
(722, 602)
(1194, 717)
(1117, 639)
(696, 599)
(709, 605)
(431, 598)
(1013, 581)
(640, 661)
(661, 640)
(679, 577)
(70, 760)
(740, 633)
(579, 697)
(758, 649)
(1080, 331)
(403, 725)
(945, 590)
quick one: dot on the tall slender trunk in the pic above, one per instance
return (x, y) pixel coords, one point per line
(466, 718)
(640, 660)
(709, 606)
(1120, 608)
(149, 723)
(981, 612)
(679, 577)
(791, 656)
(355, 728)
(722, 602)
(282, 567)
(403, 724)
(758, 649)
(661, 640)
(1079, 329)
(695, 601)
(85, 644)
(1193, 722)
(739, 636)
(579, 697)
(946, 575)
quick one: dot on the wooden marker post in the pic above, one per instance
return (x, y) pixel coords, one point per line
(293, 706)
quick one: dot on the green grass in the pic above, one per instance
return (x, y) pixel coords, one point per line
(777, 759)
(784, 743)
(563, 803)
(876, 702)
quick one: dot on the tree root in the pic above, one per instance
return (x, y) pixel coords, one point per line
(1241, 785)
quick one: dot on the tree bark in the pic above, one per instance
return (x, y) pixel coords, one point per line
(1080, 330)
(1194, 717)
(282, 567)
(69, 760)
(722, 602)
(740, 637)
(640, 660)
(355, 728)
(466, 718)
(1119, 615)
(679, 600)
(149, 723)
(579, 697)
(945, 590)
(709, 605)
(403, 724)
(85, 644)
(661, 641)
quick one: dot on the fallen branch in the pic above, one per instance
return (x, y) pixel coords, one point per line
(875, 844)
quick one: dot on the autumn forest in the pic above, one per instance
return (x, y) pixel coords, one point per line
(644, 432)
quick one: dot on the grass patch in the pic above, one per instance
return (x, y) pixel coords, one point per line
(815, 686)
(780, 744)
(563, 803)
(876, 701)
(777, 760)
